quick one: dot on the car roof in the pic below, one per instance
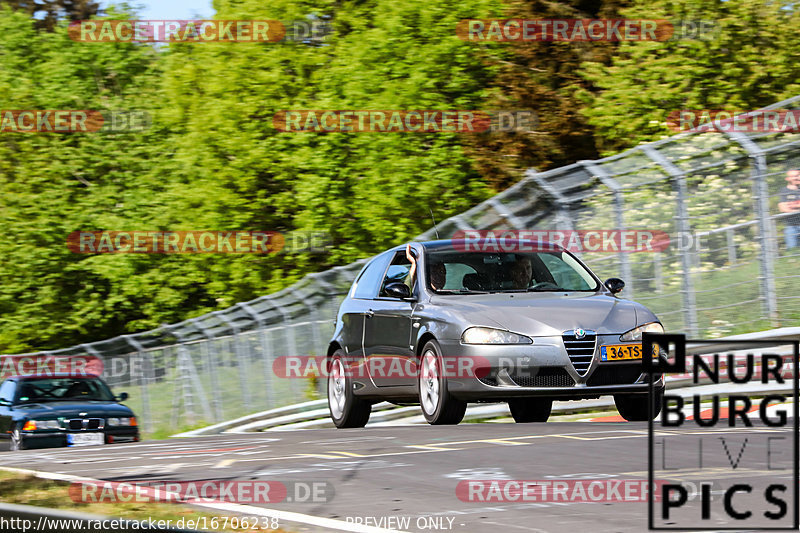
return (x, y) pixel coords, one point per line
(55, 376)
(445, 244)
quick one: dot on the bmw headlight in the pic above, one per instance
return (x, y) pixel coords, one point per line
(121, 421)
(478, 335)
(47, 424)
(636, 333)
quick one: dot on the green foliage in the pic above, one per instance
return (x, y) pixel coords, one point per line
(747, 62)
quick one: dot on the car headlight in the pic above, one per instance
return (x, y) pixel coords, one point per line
(636, 333)
(493, 336)
(32, 425)
(126, 421)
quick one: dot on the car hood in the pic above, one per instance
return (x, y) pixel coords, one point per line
(544, 314)
(93, 409)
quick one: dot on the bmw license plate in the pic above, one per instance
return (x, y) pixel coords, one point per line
(85, 439)
(620, 352)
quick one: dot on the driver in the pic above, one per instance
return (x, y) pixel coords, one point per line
(521, 272)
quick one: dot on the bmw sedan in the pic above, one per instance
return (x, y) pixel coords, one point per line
(62, 410)
(441, 325)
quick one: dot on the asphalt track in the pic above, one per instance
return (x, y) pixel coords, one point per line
(413, 471)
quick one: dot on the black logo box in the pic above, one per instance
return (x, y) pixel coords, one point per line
(678, 366)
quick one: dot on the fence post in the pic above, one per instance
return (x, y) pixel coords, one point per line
(265, 350)
(761, 198)
(682, 218)
(136, 345)
(216, 399)
(619, 212)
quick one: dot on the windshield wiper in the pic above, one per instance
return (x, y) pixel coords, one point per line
(461, 291)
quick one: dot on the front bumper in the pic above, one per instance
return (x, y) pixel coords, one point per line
(543, 368)
(58, 439)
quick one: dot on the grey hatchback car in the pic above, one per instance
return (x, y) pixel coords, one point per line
(440, 324)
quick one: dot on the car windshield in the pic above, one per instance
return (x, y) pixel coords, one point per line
(450, 272)
(62, 389)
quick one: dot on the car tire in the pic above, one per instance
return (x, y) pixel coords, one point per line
(635, 408)
(16, 443)
(530, 409)
(438, 406)
(347, 410)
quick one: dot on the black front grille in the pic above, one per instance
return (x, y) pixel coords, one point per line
(615, 375)
(548, 376)
(580, 351)
(77, 424)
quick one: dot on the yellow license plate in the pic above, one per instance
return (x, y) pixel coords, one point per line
(620, 352)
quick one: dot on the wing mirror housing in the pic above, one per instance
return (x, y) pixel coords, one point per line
(398, 290)
(615, 285)
(122, 397)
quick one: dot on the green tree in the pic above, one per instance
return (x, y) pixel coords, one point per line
(748, 61)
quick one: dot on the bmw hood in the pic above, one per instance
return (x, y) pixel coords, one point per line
(546, 314)
(93, 409)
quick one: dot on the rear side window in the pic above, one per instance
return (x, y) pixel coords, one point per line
(366, 286)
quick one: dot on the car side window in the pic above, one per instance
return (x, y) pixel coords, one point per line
(398, 272)
(7, 391)
(366, 287)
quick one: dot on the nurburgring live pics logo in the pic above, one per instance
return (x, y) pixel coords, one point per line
(718, 445)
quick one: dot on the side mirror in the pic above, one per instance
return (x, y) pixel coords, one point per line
(615, 285)
(122, 396)
(4, 402)
(397, 290)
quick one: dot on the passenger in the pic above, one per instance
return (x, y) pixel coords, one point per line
(409, 281)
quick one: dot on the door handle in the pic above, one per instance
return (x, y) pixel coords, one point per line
(370, 313)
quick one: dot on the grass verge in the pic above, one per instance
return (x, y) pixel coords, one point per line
(25, 489)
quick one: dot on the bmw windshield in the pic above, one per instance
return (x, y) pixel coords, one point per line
(62, 389)
(461, 272)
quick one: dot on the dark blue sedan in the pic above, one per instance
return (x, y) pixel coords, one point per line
(62, 410)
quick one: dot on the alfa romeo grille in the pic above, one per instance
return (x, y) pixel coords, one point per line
(580, 351)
